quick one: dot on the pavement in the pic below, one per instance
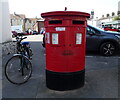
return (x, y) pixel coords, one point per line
(101, 77)
(0, 71)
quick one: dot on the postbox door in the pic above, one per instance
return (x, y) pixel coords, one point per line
(55, 49)
(75, 47)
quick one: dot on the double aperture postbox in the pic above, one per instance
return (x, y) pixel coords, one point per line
(65, 40)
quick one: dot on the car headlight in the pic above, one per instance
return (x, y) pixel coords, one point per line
(118, 36)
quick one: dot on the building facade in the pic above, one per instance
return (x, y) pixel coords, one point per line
(40, 24)
(17, 19)
(27, 23)
(30, 23)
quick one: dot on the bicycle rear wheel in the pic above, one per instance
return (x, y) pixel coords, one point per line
(18, 69)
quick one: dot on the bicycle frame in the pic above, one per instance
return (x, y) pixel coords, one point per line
(22, 60)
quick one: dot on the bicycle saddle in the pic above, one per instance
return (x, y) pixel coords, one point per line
(25, 43)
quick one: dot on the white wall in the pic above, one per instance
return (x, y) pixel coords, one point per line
(107, 20)
(0, 22)
(5, 31)
(119, 6)
(0, 52)
(91, 22)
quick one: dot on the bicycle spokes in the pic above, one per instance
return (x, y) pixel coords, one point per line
(18, 69)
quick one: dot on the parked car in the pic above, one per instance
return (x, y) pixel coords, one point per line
(106, 42)
(24, 33)
(14, 33)
(35, 32)
(111, 29)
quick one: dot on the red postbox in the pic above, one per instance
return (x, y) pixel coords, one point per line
(65, 40)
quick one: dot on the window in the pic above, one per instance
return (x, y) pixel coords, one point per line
(90, 30)
(55, 22)
(78, 22)
(93, 30)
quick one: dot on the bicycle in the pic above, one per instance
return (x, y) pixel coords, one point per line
(18, 68)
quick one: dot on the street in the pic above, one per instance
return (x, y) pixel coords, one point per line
(101, 77)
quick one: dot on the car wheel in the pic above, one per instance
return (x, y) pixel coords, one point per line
(107, 49)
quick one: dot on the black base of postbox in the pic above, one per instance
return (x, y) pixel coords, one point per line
(65, 81)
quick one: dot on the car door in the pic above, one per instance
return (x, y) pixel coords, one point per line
(92, 39)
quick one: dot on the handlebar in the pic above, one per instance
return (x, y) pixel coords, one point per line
(19, 39)
(24, 38)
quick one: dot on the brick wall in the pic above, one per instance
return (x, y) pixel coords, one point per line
(8, 48)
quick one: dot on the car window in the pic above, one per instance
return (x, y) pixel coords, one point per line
(87, 30)
(90, 30)
(95, 30)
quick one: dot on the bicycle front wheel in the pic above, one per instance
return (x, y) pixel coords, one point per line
(18, 69)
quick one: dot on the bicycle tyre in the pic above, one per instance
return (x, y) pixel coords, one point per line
(26, 77)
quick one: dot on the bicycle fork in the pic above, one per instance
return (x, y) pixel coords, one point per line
(23, 64)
